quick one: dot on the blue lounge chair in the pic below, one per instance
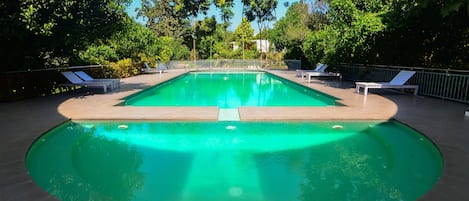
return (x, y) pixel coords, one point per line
(76, 81)
(84, 76)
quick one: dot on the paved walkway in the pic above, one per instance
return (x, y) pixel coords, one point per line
(442, 121)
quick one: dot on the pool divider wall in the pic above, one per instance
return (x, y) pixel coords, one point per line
(228, 114)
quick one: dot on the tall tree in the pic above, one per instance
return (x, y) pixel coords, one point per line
(260, 10)
(431, 33)
(244, 33)
(205, 31)
(164, 17)
(351, 32)
(226, 11)
(193, 8)
(290, 31)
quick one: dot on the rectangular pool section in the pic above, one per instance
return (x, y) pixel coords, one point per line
(230, 90)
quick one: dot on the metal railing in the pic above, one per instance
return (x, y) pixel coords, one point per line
(441, 83)
(234, 63)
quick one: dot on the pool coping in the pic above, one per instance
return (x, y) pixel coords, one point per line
(442, 121)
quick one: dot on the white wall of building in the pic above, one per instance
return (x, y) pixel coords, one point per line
(265, 45)
(262, 45)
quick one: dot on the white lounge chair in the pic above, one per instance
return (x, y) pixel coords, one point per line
(84, 76)
(319, 68)
(148, 70)
(76, 81)
(309, 75)
(398, 82)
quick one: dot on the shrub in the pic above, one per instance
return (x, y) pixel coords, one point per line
(123, 68)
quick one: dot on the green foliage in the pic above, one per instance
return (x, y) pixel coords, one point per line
(98, 54)
(356, 40)
(223, 50)
(206, 49)
(316, 44)
(428, 33)
(244, 32)
(165, 48)
(350, 34)
(181, 51)
(243, 35)
(123, 68)
(412, 33)
(275, 56)
(133, 40)
(165, 17)
(37, 34)
(290, 31)
(205, 35)
(450, 7)
(260, 10)
(226, 11)
(194, 7)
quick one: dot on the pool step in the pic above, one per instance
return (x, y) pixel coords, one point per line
(228, 114)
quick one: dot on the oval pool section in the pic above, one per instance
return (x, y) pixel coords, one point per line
(251, 161)
(230, 90)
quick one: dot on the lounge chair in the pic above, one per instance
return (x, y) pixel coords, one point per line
(76, 81)
(398, 82)
(319, 68)
(84, 76)
(309, 75)
(149, 70)
(253, 67)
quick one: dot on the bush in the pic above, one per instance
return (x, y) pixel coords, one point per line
(123, 68)
(98, 54)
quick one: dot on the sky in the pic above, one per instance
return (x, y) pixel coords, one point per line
(238, 10)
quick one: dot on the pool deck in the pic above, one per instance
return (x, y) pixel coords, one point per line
(442, 121)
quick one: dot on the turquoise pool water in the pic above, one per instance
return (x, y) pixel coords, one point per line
(230, 90)
(249, 161)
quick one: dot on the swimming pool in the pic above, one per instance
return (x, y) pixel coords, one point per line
(103, 160)
(229, 90)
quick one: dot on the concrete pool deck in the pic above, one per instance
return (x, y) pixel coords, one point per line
(442, 121)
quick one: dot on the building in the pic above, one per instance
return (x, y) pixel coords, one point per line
(261, 45)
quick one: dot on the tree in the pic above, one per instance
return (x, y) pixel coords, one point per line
(220, 48)
(432, 34)
(226, 11)
(42, 33)
(350, 34)
(244, 33)
(290, 31)
(164, 17)
(193, 8)
(427, 33)
(205, 31)
(133, 41)
(261, 11)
